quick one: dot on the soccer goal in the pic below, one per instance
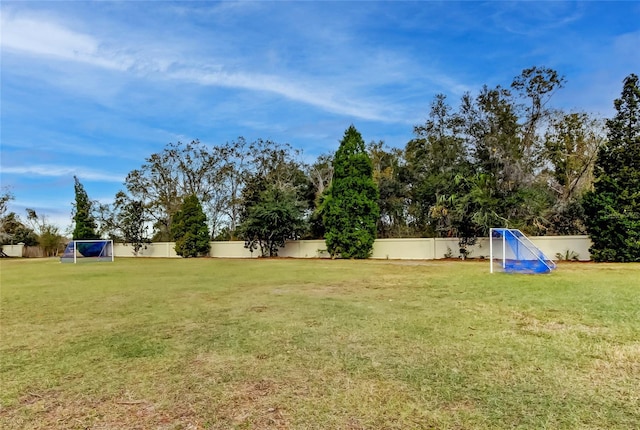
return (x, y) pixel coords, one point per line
(80, 251)
(512, 252)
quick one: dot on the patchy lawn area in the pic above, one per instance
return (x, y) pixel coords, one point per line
(317, 344)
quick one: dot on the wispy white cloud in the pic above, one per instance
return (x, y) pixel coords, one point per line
(39, 37)
(322, 98)
(535, 18)
(62, 171)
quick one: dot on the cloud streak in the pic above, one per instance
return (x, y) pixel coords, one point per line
(42, 37)
(44, 170)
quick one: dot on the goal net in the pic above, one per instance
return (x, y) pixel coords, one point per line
(512, 252)
(79, 251)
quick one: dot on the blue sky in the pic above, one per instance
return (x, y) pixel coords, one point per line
(93, 88)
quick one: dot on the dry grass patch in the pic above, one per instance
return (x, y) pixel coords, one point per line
(530, 323)
(619, 362)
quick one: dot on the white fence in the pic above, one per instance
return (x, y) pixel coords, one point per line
(393, 249)
(13, 250)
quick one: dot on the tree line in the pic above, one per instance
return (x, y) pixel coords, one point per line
(504, 157)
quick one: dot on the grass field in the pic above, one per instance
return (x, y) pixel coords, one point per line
(317, 344)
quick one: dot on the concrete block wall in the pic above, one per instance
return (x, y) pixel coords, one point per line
(404, 249)
(552, 245)
(393, 249)
(157, 249)
(233, 249)
(304, 249)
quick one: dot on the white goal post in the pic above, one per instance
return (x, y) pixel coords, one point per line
(88, 250)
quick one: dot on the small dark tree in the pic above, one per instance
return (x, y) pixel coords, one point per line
(84, 221)
(132, 222)
(7, 221)
(351, 206)
(5, 198)
(189, 229)
(613, 207)
(275, 218)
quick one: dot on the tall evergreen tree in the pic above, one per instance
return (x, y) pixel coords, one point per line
(613, 207)
(189, 229)
(85, 222)
(351, 207)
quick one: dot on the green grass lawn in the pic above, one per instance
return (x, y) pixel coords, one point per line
(317, 344)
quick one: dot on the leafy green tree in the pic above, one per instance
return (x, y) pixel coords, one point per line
(133, 224)
(129, 222)
(276, 217)
(270, 163)
(217, 175)
(469, 212)
(15, 231)
(189, 229)
(272, 172)
(536, 86)
(351, 206)
(49, 238)
(613, 207)
(84, 221)
(12, 229)
(275, 195)
(236, 161)
(168, 176)
(570, 148)
(434, 158)
(503, 132)
(388, 171)
(320, 174)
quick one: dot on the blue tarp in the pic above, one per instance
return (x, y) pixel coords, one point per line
(522, 258)
(99, 250)
(86, 249)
